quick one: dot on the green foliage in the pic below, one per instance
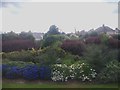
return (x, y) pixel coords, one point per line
(99, 55)
(82, 71)
(69, 59)
(104, 39)
(49, 55)
(16, 63)
(26, 56)
(13, 36)
(111, 72)
(9, 36)
(26, 35)
(53, 30)
(52, 39)
(74, 37)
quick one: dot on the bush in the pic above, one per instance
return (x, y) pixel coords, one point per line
(111, 73)
(69, 59)
(52, 39)
(19, 64)
(98, 55)
(31, 72)
(114, 43)
(26, 56)
(45, 72)
(17, 45)
(76, 47)
(60, 72)
(5, 68)
(49, 55)
(13, 72)
(104, 39)
(78, 71)
(95, 40)
(82, 71)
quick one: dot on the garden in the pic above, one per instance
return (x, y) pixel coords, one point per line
(64, 61)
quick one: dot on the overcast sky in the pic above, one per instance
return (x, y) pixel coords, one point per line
(38, 16)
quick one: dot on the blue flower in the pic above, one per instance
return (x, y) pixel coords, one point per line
(5, 68)
(45, 72)
(31, 72)
(13, 72)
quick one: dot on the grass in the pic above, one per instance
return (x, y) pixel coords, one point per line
(44, 84)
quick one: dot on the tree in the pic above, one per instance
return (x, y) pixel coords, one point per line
(26, 35)
(53, 30)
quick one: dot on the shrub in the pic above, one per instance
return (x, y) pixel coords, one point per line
(52, 39)
(98, 55)
(17, 45)
(104, 39)
(110, 73)
(114, 43)
(82, 71)
(45, 72)
(49, 55)
(95, 40)
(19, 64)
(13, 72)
(5, 68)
(26, 56)
(31, 72)
(78, 71)
(74, 46)
(60, 72)
(69, 59)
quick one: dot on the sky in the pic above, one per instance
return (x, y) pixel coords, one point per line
(38, 16)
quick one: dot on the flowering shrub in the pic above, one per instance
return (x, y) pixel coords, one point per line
(82, 71)
(13, 72)
(76, 71)
(60, 72)
(31, 72)
(45, 72)
(4, 69)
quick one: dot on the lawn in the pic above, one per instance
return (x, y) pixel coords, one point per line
(49, 84)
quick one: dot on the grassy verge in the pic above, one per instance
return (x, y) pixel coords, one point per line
(42, 84)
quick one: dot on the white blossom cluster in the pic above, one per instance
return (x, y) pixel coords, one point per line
(82, 71)
(59, 72)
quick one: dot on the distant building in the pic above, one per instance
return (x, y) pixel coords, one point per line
(80, 33)
(117, 31)
(38, 36)
(105, 29)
